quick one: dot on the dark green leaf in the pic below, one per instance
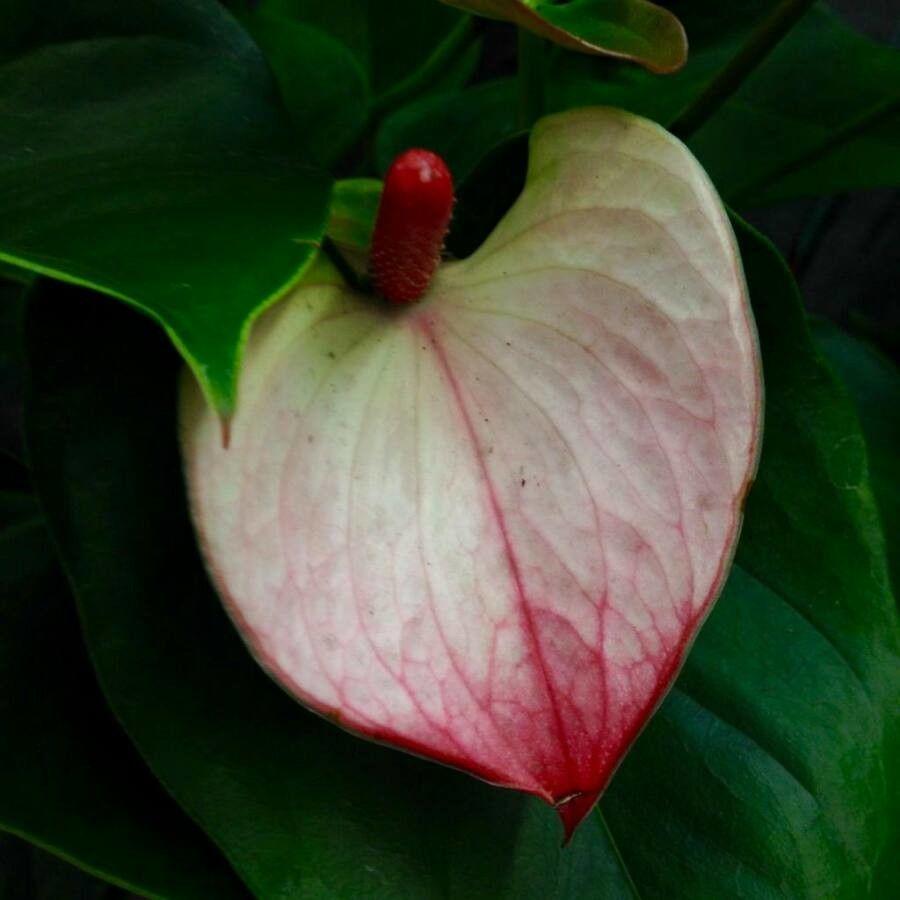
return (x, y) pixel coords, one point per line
(821, 115)
(11, 273)
(29, 873)
(69, 780)
(390, 39)
(12, 306)
(464, 126)
(460, 126)
(324, 87)
(772, 768)
(403, 35)
(716, 31)
(874, 384)
(635, 30)
(145, 152)
(300, 808)
(354, 206)
(487, 193)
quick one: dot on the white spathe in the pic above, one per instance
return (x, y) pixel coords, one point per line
(486, 527)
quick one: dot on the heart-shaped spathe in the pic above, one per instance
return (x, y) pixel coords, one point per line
(485, 528)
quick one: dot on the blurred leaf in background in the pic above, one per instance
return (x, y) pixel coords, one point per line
(70, 782)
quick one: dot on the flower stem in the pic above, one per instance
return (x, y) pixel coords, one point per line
(758, 46)
(530, 78)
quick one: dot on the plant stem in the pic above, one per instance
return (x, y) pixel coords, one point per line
(530, 78)
(450, 49)
(758, 46)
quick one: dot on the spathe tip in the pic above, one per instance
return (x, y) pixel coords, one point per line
(225, 427)
(573, 809)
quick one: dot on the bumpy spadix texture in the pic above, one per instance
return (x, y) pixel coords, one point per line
(415, 209)
(485, 527)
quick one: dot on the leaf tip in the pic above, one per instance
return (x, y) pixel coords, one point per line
(225, 429)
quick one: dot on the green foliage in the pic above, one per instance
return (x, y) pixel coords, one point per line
(329, 118)
(636, 30)
(354, 205)
(821, 115)
(798, 124)
(874, 384)
(462, 126)
(391, 40)
(299, 808)
(181, 159)
(754, 779)
(69, 779)
(154, 162)
(742, 771)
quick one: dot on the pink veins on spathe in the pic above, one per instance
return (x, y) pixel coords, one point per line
(486, 528)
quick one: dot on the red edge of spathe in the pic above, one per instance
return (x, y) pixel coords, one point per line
(572, 809)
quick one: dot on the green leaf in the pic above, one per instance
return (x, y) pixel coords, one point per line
(11, 273)
(301, 809)
(390, 39)
(874, 384)
(148, 155)
(770, 771)
(772, 768)
(461, 126)
(717, 33)
(354, 206)
(821, 115)
(29, 873)
(404, 35)
(464, 126)
(323, 85)
(628, 29)
(69, 780)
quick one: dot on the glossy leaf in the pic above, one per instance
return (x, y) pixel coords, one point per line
(465, 125)
(874, 384)
(486, 114)
(69, 780)
(717, 32)
(391, 39)
(550, 401)
(461, 126)
(323, 85)
(773, 767)
(299, 808)
(354, 206)
(821, 115)
(628, 29)
(148, 155)
(707, 802)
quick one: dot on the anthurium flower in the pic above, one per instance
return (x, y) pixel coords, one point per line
(484, 527)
